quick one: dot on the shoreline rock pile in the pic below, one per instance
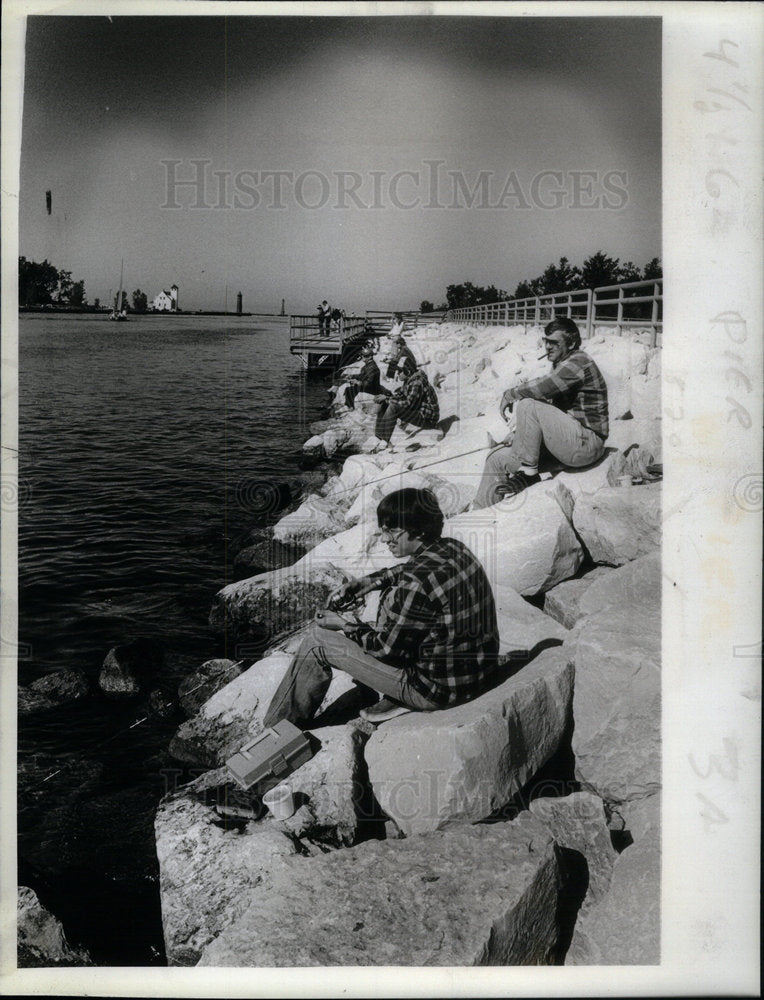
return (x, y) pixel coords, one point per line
(442, 838)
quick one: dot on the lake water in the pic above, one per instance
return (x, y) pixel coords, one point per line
(142, 447)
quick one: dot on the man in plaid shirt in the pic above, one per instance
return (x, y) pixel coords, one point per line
(435, 641)
(564, 412)
(413, 402)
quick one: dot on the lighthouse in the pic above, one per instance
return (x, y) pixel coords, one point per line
(238, 304)
(174, 297)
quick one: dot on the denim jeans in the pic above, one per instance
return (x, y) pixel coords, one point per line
(537, 424)
(307, 680)
(390, 412)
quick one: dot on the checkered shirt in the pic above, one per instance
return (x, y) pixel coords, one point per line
(576, 386)
(438, 622)
(419, 399)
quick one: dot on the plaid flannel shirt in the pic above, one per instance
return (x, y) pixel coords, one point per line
(419, 399)
(575, 385)
(437, 622)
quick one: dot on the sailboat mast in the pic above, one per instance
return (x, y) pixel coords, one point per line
(118, 304)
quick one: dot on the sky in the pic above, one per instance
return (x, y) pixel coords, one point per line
(369, 161)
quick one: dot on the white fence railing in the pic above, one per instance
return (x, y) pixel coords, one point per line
(632, 305)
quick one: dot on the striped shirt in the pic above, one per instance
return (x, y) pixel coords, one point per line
(438, 622)
(576, 386)
(419, 400)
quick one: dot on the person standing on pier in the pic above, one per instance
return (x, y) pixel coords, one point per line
(324, 318)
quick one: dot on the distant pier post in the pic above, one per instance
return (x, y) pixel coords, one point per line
(282, 313)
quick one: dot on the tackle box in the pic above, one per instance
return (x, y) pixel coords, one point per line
(270, 758)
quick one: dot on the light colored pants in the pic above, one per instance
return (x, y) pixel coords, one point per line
(308, 678)
(537, 424)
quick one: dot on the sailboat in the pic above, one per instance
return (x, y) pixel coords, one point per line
(119, 312)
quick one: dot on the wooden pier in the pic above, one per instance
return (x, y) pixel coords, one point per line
(318, 349)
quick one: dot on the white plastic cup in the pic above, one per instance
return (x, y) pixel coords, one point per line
(280, 801)
(624, 481)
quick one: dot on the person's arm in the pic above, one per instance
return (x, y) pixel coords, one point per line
(566, 377)
(360, 586)
(409, 618)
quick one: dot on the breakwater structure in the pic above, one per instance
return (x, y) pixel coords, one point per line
(520, 828)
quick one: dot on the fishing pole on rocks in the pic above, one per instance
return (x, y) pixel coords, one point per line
(134, 725)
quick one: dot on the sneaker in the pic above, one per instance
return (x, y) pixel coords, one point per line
(516, 483)
(383, 711)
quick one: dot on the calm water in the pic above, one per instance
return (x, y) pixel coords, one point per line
(142, 447)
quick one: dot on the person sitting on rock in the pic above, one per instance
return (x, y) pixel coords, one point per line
(367, 379)
(413, 402)
(565, 413)
(435, 642)
(400, 361)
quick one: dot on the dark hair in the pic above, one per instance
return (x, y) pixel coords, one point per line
(416, 511)
(568, 329)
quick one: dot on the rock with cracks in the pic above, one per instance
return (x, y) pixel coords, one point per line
(617, 525)
(207, 870)
(578, 823)
(617, 700)
(562, 601)
(526, 541)
(41, 939)
(485, 895)
(624, 928)
(464, 763)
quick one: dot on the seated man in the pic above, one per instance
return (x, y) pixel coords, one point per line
(400, 360)
(413, 402)
(367, 379)
(435, 641)
(565, 411)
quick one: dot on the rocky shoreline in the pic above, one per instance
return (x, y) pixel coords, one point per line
(521, 828)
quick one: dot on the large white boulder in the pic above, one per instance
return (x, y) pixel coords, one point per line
(207, 869)
(464, 763)
(562, 601)
(617, 525)
(315, 519)
(577, 822)
(522, 626)
(525, 541)
(485, 895)
(616, 648)
(272, 602)
(333, 782)
(232, 716)
(647, 433)
(624, 928)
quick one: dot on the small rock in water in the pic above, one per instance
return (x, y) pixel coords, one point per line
(62, 686)
(128, 667)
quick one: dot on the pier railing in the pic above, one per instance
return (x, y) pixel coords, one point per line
(632, 305)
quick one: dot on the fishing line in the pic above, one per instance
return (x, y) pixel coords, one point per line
(139, 722)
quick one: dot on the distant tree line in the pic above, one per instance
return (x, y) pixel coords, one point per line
(44, 285)
(596, 271)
